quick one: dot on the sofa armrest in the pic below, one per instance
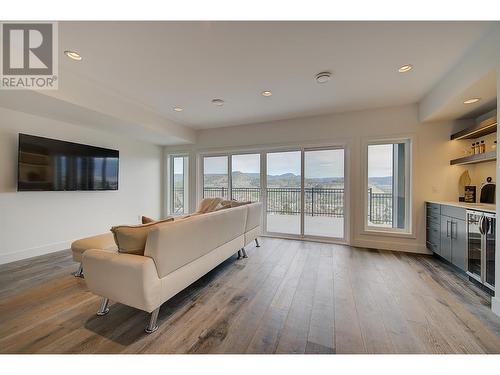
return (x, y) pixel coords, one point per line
(125, 278)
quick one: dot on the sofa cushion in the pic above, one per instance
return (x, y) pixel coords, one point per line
(102, 241)
(131, 239)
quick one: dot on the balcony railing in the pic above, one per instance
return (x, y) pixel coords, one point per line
(379, 207)
(178, 201)
(318, 201)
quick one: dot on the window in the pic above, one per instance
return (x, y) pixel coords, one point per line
(215, 177)
(388, 203)
(178, 185)
(245, 177)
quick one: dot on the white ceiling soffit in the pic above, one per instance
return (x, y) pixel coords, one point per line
(484, 88)
(187, 64)
(474, 76)
(35, 103)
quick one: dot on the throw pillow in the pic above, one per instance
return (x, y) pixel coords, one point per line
(147, 220)
(131, 239)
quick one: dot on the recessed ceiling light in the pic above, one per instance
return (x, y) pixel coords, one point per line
(178, 109)
(472, 100)
(267, 93)
(73, 55)
(218, 102)
(405, 68)
(323, 77)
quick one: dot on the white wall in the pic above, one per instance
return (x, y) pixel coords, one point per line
(34, 223)
(433, 177)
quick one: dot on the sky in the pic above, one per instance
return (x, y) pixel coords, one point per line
(379, 160)
(321, 163)
(178, 165)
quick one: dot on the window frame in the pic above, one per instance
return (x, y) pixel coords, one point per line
(409, 230)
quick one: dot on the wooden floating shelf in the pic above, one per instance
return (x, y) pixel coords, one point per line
(481, 129)
(478, 158)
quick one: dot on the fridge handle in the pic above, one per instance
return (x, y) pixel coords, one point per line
(481, 221)
(486, 225)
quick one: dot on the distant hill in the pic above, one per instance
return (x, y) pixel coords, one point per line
(241, 179)
(384, 181)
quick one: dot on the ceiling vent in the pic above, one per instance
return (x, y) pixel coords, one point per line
(323, 77)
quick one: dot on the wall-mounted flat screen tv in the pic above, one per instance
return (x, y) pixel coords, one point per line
(46, 164)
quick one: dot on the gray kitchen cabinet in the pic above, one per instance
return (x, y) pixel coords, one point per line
(445, 250)
(459, 243)
(433, 227)
(446, 233)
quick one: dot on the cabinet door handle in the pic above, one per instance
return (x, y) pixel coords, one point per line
(447, 228)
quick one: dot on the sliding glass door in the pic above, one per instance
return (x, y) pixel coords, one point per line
(308, 206)
(283, 193)
(324, 193)
(302, 190)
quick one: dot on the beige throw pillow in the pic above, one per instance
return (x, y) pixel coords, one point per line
(131, 239)
(232, 203)
(147, 220)
(208, 205)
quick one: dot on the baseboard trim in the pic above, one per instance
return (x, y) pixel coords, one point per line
(495, 305)
(34, 251)
(393, 246)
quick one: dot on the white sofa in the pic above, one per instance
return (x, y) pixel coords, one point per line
(176, 255)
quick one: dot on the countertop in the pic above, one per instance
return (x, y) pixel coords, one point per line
(486, 207)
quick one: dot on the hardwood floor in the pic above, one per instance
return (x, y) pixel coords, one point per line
(287, 297)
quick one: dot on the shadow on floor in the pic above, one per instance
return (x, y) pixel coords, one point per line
(125, 325)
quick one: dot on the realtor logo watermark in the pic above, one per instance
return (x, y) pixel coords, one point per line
(29, 56)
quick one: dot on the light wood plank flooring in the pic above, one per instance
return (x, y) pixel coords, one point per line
(287, 297)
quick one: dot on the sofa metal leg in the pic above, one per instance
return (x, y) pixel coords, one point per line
(257, 242)
(244, 252)
(153, 326)
(239, 254)
(79, 273)
(103, 310)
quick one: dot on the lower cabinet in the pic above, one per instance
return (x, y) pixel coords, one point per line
(451, 243)
(458, 243)
(445, 238)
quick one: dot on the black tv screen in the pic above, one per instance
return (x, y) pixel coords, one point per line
(46, 164)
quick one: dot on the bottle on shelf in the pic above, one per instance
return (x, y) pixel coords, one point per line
(494, 146)
(473, 149)
(476, 148)
(482, 147)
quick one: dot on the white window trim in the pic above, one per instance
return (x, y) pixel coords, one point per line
(410, 230)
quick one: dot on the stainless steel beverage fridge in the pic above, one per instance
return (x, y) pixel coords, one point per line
(481, 247)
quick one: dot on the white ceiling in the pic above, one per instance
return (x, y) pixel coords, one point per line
(165, 64)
